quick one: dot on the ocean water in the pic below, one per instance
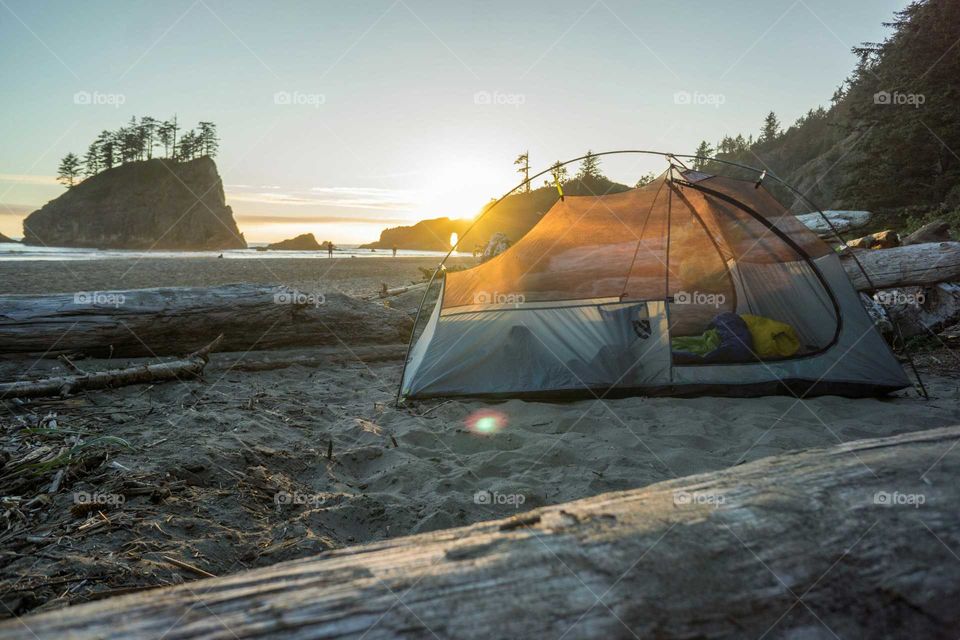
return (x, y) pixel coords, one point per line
(14, 251)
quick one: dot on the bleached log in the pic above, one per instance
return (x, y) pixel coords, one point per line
(856, 540)
(171, 321)
(923, 311)
(189, 367)
(915, 264)
(841, 221)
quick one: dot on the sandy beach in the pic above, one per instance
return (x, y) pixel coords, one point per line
(283, 454)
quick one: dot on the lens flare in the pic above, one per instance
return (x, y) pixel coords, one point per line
(454, 238)
(486, 422)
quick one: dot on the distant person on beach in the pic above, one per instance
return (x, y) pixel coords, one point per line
(394, 251)
(329, 249)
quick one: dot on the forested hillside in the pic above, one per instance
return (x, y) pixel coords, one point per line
(889, 140)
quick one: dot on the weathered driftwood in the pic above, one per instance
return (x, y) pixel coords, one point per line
(189, 367)
(857, 540)
(937, 231)
(840, 220)
(922, 311)
(880, 240)
(903, 266)
(388, 293)
(171, 321)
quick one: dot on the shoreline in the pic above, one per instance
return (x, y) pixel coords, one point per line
(352, 276)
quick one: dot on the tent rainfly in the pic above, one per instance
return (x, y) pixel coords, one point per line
(691, 284)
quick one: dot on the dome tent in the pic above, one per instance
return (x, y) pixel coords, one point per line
(607, 293)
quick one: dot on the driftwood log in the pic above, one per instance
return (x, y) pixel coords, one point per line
(856, 540)
(916, 264)
(172, 321)
(923, 311)
(186, 368)
(840, 220)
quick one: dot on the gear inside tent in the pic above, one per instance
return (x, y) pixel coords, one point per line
(691, 284)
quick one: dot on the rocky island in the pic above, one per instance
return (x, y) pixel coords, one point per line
(148, 204)
(303, 242)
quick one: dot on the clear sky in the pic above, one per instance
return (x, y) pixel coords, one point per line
(390, 111)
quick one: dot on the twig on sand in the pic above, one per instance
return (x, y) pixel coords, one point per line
(434, 408)
(188, 567)
(189, 367)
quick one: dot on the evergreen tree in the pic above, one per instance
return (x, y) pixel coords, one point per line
(206, 140)
(771, 128)
(108, 150)
(523, 162)
(69, 170)
(147, 131)
(167, 135)
(91, 161)
(188, 147)
(558, 174)
(703, 152)
(589, 167)
(646, 179)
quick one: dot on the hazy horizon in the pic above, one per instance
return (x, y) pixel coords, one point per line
(343, 120)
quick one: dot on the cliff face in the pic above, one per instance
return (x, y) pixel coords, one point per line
(153, 204)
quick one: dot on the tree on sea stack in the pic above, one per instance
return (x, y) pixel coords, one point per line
(108, 150)
(69, 170)
(208, 141)
(91, 161)
(147, 131)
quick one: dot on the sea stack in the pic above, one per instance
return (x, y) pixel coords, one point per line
(303, 242)
(151, 204)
